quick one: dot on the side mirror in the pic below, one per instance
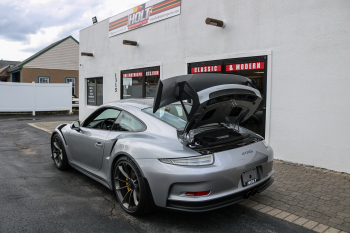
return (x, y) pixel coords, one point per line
(76, 126)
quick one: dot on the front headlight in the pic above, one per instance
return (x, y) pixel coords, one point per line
(191, 161)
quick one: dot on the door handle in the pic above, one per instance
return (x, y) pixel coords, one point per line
(98, 144)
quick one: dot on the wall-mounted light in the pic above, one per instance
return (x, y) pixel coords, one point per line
(130, 42)
(215, 22)
(87, 54)
(94, 20)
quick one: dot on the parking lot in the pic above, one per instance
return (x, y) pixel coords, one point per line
(37, 197)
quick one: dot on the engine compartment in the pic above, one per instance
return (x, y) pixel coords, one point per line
(220, 137)
(216, 137)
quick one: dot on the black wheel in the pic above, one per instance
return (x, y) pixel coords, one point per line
(59, 153)
(129, 187)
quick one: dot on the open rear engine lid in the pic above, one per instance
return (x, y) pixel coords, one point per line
(216, 98)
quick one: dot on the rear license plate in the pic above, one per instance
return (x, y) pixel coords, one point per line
(250, 176)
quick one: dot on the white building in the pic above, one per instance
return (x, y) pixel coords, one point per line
(302, 48)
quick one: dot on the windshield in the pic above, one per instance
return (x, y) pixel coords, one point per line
(172, 114)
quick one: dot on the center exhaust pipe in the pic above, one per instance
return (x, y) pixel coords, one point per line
(255, 191)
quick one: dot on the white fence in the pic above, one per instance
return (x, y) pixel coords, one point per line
(31, 97)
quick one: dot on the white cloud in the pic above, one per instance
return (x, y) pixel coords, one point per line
(28, 26)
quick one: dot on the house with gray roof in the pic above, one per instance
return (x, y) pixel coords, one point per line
(4, 63)
(56, 63)
(4, 74)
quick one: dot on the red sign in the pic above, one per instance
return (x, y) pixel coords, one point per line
(144, 14)
(205, 69)
(132, 75)
(152, 73)
(245, 66)
(139, 16)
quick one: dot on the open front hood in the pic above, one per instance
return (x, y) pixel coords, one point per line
(216, 98)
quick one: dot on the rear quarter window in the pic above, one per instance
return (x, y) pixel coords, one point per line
(173, 114)
(128, 123)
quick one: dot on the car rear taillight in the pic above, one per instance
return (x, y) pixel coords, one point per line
(203, 193)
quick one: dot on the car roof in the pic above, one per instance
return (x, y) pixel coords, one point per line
(137, 103)
(140, 104)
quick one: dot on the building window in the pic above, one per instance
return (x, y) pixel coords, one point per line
(95, 91)
(140, 83)
(43, 79)
(72, 80)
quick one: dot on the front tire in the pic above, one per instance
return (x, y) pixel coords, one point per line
(130, 188)
(59, 153)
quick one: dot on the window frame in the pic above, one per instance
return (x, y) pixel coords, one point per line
(95, 93)
(134, 70)
(75, 84)
(122, 111)
(39, 77)
(120, 118)
(144, 111)
(97, 113)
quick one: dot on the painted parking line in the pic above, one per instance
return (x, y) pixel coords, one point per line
(46, 126)
(315, 226)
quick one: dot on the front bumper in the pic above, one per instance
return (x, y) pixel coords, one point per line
(169, 183)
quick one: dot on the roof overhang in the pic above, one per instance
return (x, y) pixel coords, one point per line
(15, 69)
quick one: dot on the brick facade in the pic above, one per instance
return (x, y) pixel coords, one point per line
(29, 75)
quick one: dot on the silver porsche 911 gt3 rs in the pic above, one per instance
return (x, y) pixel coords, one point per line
(183, 150)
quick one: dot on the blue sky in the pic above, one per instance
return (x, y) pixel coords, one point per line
(26, 26)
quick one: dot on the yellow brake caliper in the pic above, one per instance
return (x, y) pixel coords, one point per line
(127, 184)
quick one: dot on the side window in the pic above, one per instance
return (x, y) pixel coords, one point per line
(103, 119)
(128, 123)
(95, 91)
(42, 79)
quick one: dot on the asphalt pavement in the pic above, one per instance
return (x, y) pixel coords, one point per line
(37, 197)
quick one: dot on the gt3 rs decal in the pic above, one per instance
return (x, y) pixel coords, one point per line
(247, 152)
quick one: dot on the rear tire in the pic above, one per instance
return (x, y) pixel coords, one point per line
(59, 153)
(130, 188)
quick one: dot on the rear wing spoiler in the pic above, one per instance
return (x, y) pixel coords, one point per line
(186, 87)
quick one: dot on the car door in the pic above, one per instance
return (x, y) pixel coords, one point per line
(126, 123)
(87, 144)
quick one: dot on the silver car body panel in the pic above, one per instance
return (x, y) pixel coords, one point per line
(222, 178)
(90, 154)
(160, 140)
